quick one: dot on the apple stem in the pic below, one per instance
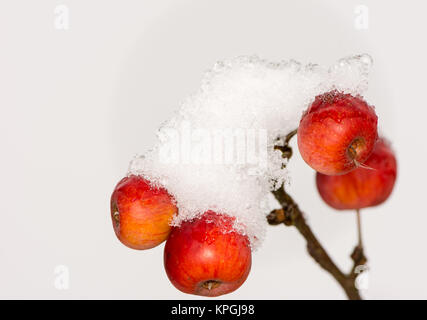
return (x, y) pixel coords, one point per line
(211, 284)
(361, 165)
(359, 228)
(354, 147)
(353, 152)
(116, 215)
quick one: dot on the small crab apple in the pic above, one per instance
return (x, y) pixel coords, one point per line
(361, 187)
(207, 256)
(141, 213)
(337, 132)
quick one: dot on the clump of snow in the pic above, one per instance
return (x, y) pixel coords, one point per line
(217, 154)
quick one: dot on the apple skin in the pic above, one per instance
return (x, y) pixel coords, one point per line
(141, 213)
(337, 132)
(205, 251)
(361, 187)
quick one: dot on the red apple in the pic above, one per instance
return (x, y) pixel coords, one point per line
(141, 213)
(361, 187)
(206, 256)
(337, 132)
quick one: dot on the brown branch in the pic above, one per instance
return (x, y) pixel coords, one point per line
(291, 215)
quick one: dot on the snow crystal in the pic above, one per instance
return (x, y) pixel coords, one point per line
(216, 153)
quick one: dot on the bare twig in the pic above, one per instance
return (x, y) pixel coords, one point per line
(291, 215)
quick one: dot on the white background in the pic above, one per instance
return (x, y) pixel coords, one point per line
(77, 104)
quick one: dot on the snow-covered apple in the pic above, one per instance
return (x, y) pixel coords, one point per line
(337, 133)
(141, 213)
(362, 187)
(206, 256)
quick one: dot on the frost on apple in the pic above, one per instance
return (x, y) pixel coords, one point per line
(217, 153)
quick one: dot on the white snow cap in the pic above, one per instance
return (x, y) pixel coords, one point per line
(217, 152)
